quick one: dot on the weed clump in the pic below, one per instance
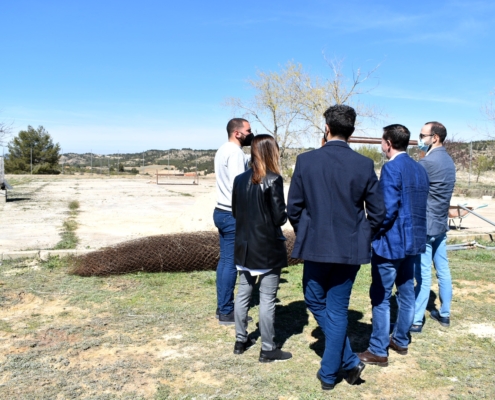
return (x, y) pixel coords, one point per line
(69, 240)
(74, 205)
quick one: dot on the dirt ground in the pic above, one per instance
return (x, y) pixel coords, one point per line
(138, 336)
(112, 210)
(116, 209)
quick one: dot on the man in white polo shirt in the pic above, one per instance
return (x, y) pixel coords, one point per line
(230, 161)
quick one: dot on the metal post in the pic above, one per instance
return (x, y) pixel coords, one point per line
(470, 160)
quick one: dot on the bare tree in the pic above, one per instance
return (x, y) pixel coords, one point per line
(489, 112)
(275, 106)
(4, 132)
(458, 149)
(289, 104)
(317, 94)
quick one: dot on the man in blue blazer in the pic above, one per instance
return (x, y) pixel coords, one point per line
(334, 206)
(397, 246)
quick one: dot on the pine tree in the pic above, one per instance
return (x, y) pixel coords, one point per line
(45, 154)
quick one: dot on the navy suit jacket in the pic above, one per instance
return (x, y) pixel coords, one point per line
(326, 205)
(405, 188)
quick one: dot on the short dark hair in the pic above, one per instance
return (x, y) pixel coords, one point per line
(340, 119)
(398, 135)
(438, 129)
(234, 124)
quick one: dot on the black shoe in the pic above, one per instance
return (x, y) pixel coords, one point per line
(324, 385)
(229, 319)
(226, 319)
(354, 373)
(416, 328)
(444, 321)
(241, 347)
(274, 355)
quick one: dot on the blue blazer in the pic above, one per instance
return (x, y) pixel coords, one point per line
(405, 186)
(334, 205)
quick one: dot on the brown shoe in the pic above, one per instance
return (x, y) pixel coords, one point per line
(395, 347)
(369, 358)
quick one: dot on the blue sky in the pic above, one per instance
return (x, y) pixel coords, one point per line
(128, 76)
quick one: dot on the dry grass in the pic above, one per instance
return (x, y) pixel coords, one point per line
(154, 336)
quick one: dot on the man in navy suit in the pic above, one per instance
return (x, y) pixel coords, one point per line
(326, 207)
(397, 246)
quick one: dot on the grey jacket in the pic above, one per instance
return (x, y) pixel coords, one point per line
(441, 172)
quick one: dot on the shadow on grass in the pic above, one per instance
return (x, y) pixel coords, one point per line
(358, 332)
(289, 320)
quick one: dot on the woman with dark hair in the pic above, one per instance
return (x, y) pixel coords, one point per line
(259, 209)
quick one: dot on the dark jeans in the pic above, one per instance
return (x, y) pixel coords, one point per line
(226, 270)
(384, 274)
(327, 290)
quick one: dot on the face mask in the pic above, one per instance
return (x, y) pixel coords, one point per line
(246, 140)
(422, 146)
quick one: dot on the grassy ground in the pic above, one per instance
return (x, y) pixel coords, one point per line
(154, 336)
(68, 235)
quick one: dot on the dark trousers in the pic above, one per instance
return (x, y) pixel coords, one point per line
(327, 291)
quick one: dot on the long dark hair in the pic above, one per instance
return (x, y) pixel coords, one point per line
(264, 157)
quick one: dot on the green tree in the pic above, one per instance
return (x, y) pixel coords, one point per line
(45, 154)
(482, 164)
(370, 152)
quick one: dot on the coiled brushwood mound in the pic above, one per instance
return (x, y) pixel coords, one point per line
(178, 252)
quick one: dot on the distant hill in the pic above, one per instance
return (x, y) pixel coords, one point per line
(183, 159)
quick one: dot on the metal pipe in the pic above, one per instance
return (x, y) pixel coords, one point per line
(479, 216)
(370, 140)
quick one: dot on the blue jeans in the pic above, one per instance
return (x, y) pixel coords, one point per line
(327, 289)
(226, 270)
(384, 274)
(436, 252)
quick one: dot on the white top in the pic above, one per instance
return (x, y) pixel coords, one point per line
(253, 272)
(230, 161)
(396, 154)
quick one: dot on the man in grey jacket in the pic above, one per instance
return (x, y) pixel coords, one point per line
(441, 172)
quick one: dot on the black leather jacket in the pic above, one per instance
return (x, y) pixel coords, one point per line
(259, 210)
